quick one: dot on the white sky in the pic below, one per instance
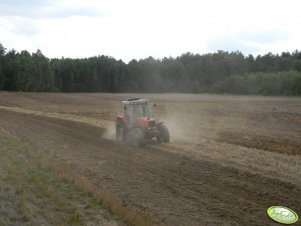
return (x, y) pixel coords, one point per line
(139, 28)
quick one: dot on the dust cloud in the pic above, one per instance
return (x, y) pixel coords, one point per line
(186, 123)
(109, 132)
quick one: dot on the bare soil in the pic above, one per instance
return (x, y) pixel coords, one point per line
(229, 160)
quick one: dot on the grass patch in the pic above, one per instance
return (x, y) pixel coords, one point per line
(41, 190)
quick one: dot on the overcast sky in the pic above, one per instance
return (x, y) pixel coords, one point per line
(139, 28)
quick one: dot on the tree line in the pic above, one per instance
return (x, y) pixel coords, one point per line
(219, 72)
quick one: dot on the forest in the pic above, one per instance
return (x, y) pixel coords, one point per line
(219, 72)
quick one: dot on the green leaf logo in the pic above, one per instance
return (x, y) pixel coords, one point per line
(282, 214)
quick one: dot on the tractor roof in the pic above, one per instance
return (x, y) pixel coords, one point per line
(135, 101)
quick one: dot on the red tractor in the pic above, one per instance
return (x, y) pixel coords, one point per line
(136, 125)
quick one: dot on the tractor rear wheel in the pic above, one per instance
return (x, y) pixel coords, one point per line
(163, 133)
(119, 132)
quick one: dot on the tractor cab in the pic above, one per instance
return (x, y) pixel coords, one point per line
(136, 108)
